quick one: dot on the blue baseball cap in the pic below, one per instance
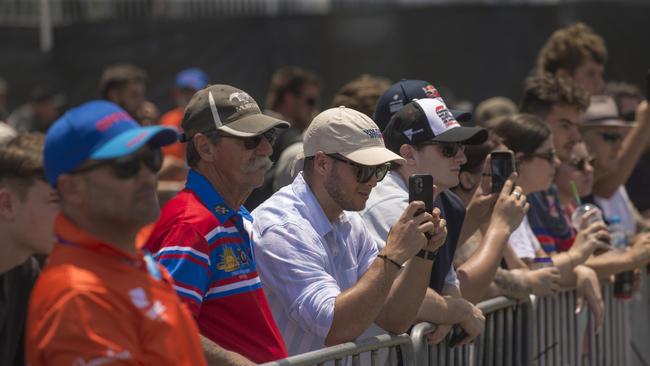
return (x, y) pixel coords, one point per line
(404, 92)
(193, 78)
(97, 130)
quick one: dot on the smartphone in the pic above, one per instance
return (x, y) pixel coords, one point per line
(421, 189)
(502, 165)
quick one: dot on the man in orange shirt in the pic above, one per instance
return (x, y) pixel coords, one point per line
(187, 83)
(100, 300)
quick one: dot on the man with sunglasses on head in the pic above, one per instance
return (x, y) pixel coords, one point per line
(326, 280)
(426, 134)
(204, 234)
(100, 300)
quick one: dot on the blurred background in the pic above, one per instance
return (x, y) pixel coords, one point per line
(470, 50)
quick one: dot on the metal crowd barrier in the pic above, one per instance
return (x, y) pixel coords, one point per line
(564, 338)
(352, 353)
(542, 331)
(506, 340)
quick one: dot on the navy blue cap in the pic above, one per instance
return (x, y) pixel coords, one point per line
(193, 78)
(403, 92)
(97, 130)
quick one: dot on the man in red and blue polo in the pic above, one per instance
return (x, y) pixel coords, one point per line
(203, 235)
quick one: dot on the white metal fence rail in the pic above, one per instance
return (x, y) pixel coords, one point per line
(543, 331)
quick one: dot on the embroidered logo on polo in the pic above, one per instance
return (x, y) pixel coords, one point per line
(221, 209)
(232, 260)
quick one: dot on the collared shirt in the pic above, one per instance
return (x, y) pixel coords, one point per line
(96, 304)
(207, 248)
(386, 204)
(306, 261)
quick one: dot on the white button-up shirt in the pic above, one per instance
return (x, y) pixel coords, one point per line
(305, 261)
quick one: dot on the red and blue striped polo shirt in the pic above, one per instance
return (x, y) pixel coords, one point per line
(206, 246)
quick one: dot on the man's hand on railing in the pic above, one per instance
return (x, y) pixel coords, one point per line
(588, 288)
(544, 281)
(473, 325)
(439, 334)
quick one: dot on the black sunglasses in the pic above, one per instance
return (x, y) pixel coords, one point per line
(581, 164)
(364, 172)
(611, 137)
(252, 143)
(547, 155)
(126, 167)
(447, 149)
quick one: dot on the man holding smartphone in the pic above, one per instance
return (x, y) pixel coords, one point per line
(426, 134)
(326, 280)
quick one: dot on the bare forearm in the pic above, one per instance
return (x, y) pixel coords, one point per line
(565, 262)
(478, 271)
(401, 307)
(469, 227)
(512, 283)
(633, 146)
(217, 356)
(440, 310)
(358, 307)
(610, 263)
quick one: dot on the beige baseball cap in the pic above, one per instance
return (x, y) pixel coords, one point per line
(349, 133)
(602, 112)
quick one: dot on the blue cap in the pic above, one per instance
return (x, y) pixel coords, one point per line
(96, 130)
(193, 78)
(404, 92)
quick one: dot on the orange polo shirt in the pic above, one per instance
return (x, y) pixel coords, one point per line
(96, 304)
(174, 118)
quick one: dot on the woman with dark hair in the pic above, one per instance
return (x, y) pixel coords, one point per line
(532, 144)
(482, 253)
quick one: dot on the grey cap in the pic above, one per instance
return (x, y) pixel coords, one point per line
(228, 109)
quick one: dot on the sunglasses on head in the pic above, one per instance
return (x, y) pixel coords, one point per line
(251, 143)
(611, 137)
(581, 164)
(364, 172)
(126, 167)
(547, 155)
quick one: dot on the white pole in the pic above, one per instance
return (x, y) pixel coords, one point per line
(46, 34)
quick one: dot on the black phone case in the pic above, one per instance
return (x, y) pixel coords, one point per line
(421, 189)
(501, 168)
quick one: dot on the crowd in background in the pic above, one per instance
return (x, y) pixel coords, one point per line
(220, 232)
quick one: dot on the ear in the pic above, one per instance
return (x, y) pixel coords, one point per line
(204, 147)
(321, 163)
(408, 153)
(6, 204)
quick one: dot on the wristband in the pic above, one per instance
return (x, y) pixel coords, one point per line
(385, 257)
(425, 254)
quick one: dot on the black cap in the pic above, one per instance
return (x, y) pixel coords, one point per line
(404, 92)
(428, 120)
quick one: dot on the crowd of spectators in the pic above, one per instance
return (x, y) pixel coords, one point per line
(224, 233)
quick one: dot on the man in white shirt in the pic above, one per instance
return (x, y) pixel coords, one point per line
(325, 278)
